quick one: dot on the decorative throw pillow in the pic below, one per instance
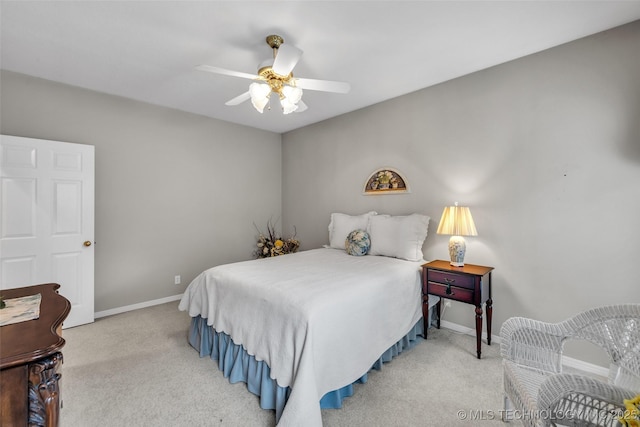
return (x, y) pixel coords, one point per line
(398, 236)
(342, 224)
(357, 243)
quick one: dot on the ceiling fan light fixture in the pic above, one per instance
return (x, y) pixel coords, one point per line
(287, 105)
(290, 96)
(259, 95)
(292, 93)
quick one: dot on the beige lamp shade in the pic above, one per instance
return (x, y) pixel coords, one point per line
(457, 222)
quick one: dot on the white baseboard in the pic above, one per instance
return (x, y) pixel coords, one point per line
(600, 371)
(567, 361)
(464, 330)
(132, 307)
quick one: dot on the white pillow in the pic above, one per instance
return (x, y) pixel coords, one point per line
(342, 224)
(398, 236)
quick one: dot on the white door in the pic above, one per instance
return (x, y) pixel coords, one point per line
(47, 219)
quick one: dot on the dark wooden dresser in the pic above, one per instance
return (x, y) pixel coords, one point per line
(30, 361)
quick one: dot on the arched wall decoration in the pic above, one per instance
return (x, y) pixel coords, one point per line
(385, 181)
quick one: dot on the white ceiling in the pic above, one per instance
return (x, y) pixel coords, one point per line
(147, 50)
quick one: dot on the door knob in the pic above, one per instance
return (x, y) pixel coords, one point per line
(87, 243)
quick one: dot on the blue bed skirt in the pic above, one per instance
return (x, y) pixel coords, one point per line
(237, 365)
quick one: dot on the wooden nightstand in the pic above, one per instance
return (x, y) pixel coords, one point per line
(470, 284)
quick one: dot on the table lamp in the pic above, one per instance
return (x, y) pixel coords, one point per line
(457, 222)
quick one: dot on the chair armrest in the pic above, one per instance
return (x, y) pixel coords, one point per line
(533, 343)
(581, 399)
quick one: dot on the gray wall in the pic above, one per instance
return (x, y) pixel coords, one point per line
(546, 152)
(176, 193)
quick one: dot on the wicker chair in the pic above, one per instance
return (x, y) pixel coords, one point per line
(542, 395)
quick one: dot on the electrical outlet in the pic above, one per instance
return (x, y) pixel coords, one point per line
(177, 280)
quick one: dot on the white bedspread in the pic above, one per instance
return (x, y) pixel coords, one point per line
(297, 311)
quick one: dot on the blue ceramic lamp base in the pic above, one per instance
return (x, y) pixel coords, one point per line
(457, 249)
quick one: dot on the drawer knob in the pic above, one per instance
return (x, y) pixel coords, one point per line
(448, 290)
(446, 279)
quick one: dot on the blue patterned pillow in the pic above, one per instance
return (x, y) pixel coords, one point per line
(357, 243)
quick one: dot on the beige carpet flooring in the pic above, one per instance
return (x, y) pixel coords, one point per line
(137, 369)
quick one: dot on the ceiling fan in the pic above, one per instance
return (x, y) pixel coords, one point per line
(276, 76)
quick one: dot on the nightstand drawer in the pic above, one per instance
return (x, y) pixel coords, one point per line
(453, 279)
(456, 293)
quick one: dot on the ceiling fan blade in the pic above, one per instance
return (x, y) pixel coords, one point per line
(224, 71)
(286, 58)
(238, 99)
(301, 107)
(323, 85)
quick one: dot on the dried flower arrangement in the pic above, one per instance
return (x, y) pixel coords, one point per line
(272, 244)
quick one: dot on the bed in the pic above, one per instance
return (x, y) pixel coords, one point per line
(301, 328)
